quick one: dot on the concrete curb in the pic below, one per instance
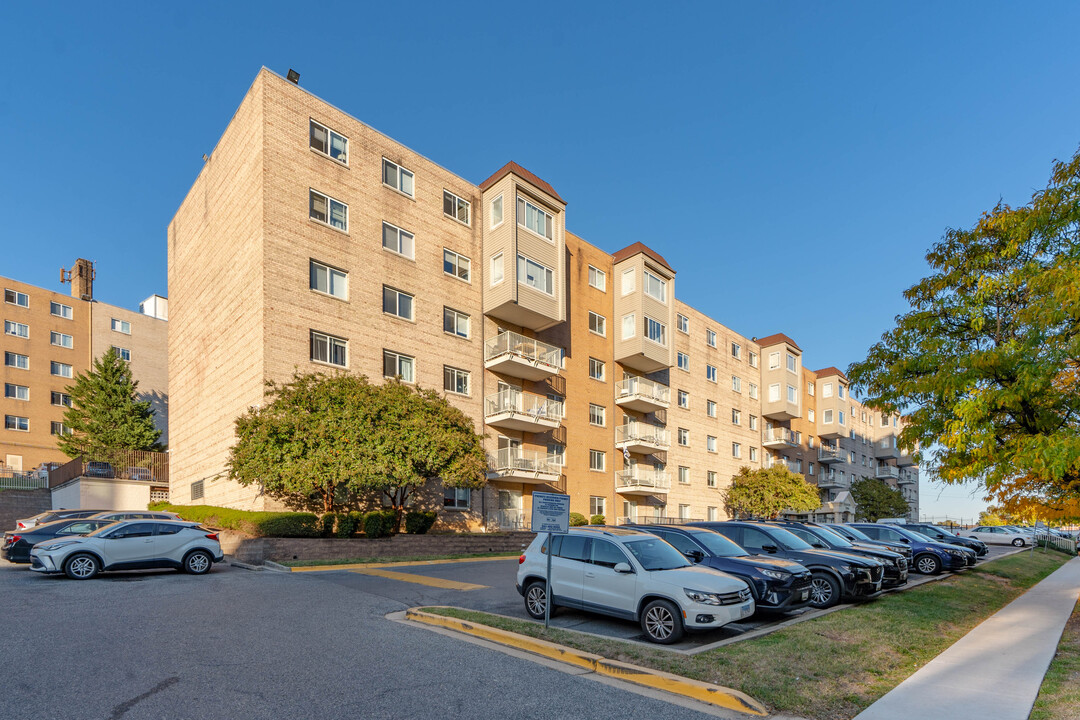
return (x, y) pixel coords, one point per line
(387, 564)
(655, 679)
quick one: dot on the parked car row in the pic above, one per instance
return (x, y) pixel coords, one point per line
(703, 575)
(82, 543)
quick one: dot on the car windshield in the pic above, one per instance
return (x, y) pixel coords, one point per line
(788, 540)
(830, 536)
(655, 554)
(912, 535)
(943, 531)
(857, 533)
(719, 545)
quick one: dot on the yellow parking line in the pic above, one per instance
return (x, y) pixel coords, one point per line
(421, 579)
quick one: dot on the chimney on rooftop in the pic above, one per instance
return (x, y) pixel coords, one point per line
(81, 277)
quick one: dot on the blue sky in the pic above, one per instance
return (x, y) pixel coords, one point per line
(817, 147)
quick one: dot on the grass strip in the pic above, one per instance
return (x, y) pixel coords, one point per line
(407, 558)
(837, 665)
(1059, 696)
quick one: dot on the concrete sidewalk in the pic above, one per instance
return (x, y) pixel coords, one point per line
(994, 671)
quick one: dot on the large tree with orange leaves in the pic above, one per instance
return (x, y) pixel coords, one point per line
(986, 361)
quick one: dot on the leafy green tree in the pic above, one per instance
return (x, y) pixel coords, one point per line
(875, 500)
(987, 361)
(767, 492)
(324, 442)
(989, 517)
(106, 416)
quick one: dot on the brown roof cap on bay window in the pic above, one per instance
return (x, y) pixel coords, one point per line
(638, 247)
(513, 167)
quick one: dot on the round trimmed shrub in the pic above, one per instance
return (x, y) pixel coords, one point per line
(418, 523)
(577, 520)
(596, 520)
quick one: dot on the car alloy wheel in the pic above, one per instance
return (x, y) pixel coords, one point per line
(197, 563)
(1018, 542)
(661, 622)
(535, 599)
(81, 567)
(928, 565)
(824, 591)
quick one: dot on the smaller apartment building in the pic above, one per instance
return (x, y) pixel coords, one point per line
(48, 339)
(312, 242)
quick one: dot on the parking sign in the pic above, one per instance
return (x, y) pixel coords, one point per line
(550, 512)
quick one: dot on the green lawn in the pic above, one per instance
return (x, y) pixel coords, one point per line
(836, 665)
(411, 558)
(1059, 696)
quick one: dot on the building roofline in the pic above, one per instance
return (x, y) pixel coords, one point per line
(513, 167)
(639, 247)
(775, 339)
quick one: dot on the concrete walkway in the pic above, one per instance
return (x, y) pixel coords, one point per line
(994, 671)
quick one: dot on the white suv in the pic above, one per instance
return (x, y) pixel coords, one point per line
(633, 575)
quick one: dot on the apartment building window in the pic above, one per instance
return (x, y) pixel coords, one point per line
(327, 210)
(736, 383)
(627, 282)
(810, 468)
(597, 324)
(455, 380)
(710, 373)
(59, 428)
(753, 454)
(682, 323)
(328, 280)
(894, 420)
(851, 457)
(557, 452)
(774, 361)
(810, 415)
(596, 369)
(798, 466)
(629, 326)
(60, 310)
(863, 415)
(456, 265)
(456, 498)
(710, 408)
(496, 269)
(123, 353)
(655, 331)
(597, 460)
(17, 329)
(597, 415)
(792, 364)
(710, 478)
(840, 417)
(455, 323)
(710, 513)
(684, 399)
(16, 422)
(736, 450)
(684, 475)
(597, 279)
(535, 275)
(456, 207)
(397, 177)
(496, 212)
(684, 437)
(398, 241)
(531, 217)
(852, 416)
(328, 142)
(655, 287)
(121, 326)
(792, 394)
(683, 361)
(736, 417)
(774, 392)
(810, 389)
(753, 391)
(710, 443)
(752, 422)
(397, 303)
(736, 350)
(827, 417)
(15, 360)
(329, 349)
(684, 512)
(61, 339)
(597, 505)
(840, 391)
(752, 358)
(826, 390)
(397, 365)
(16, 392)
(60, 369)
(14, 297)
(61, 399)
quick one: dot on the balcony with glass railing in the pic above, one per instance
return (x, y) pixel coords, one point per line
(830, 480)
(513, 354)
(517, 410)
(525, 466)
(639, 437)
(886, 472)
(642, 481)
(642, 395)
(907, 478)
(775, 438)
(829, 455)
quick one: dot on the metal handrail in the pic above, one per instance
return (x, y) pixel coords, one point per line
(632, 478)
(642, 386)
(517, 401)
(644, 432)
(783, 435)
(524, 460)
(535, 351)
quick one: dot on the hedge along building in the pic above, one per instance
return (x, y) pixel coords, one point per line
(310, 241)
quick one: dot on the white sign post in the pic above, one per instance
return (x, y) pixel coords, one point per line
(550, 514)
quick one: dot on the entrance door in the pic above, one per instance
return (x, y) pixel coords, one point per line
(510, 515)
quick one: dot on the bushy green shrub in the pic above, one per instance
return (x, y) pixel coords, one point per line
(596, 520)
(346, 525)
(418, 523)
(390, 518)
(327, 524)
(260, 524)
(577, 520)
(375, 525)
(288, 525)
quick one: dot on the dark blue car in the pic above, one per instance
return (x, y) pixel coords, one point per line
(930, 557)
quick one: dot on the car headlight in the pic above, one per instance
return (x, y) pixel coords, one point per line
(960, 553)
(774, 574)
(700, 596)
(845, 569)
(58, 545)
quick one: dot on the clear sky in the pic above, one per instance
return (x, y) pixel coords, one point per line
(818, 149)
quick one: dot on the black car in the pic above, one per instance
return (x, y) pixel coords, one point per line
(17, 543)
(939, 534)
(896, 566)
(777, 584)
(835, 575)
(856, 535)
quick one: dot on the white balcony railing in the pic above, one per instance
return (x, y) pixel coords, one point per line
(635, 478)
(515, 460)
(780, 436)
(830, 454)
(642, 434)
(517, 402)
(644, 388)
(532, 351)
(887, 471)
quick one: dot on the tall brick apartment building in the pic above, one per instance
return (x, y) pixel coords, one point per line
(49, 338)
(310, 241)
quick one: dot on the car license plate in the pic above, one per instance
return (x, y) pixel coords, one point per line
(747, 608)
(805, 594)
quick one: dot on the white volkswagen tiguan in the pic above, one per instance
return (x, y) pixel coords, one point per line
(632, 575)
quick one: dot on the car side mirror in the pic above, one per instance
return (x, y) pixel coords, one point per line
(769, 548)
(905, 540)
(695, 555)
(819, 546)
(623, 568)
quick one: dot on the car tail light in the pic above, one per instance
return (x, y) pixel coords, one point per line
(15, 538)
(521, 559)
(21, 526)
(212, 536)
